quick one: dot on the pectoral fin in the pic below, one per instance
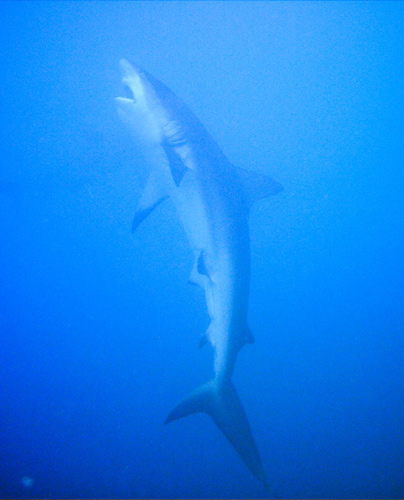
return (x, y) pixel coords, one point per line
(177, 167)
(151, 198)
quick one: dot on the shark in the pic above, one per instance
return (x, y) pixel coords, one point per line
(212, 198)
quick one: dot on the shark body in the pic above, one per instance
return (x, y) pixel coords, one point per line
(212, 199)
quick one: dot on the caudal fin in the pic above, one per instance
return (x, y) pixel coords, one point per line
(224, 407)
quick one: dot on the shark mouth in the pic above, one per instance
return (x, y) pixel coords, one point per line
(127, 93)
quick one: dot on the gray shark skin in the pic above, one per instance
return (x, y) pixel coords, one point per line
(212, 199)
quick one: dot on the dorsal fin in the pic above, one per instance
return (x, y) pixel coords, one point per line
(257, 186)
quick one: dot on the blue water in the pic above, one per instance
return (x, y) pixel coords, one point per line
(99, 328)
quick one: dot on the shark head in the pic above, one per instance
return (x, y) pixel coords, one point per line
(152, 110)
(140, 109)
(135, 81)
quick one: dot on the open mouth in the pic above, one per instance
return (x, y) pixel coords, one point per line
(126, 93)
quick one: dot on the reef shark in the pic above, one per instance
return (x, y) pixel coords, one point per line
(212, 199)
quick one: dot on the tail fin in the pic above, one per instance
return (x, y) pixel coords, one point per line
(224, 407)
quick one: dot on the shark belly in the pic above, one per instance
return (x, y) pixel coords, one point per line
(217, 229)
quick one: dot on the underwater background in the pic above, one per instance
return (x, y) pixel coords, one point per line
(99, 328)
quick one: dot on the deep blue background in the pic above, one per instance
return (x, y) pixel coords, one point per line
(99, 329)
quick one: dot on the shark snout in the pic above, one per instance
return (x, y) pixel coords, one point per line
(132, 80)
(129, 69)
